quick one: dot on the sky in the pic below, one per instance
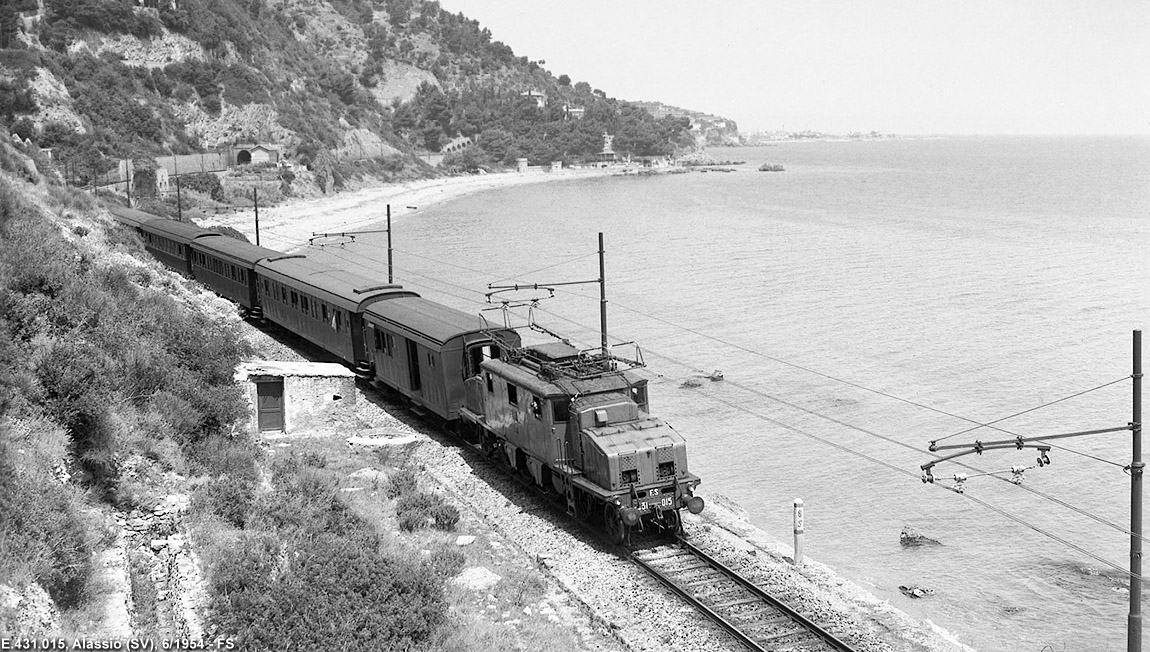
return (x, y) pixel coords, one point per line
(893, 66)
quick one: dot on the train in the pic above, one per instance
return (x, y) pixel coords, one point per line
(574, 421)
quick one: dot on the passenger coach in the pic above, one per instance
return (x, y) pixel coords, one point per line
(227, 266)
(171, 242)
(426, 350)
(322, 304)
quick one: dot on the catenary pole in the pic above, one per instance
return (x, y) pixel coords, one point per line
(1134, 622)
(602, 298)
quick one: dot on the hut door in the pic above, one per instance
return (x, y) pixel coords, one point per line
(270, 404)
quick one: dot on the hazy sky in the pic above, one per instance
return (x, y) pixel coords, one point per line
(915, 66)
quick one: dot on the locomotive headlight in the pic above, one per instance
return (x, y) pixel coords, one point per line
(695, 504)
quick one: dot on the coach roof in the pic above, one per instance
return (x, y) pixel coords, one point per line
(342, 288)
(235, 250)
(433, 322)
(183, 232)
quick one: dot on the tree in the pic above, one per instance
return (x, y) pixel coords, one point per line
(564, 80)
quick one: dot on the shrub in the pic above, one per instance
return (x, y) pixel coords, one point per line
(204, 182)
(446, 562)
(43, 534)
(399, 483)
(421, 509)
(229, 498)
(321, 592)
(231, 462)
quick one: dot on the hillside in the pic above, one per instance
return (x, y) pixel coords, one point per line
(339, 89)
(708, 129)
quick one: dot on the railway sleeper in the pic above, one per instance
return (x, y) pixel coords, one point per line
(737, 603)
(796, 631)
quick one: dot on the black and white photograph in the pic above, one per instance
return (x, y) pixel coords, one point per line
(497, 325)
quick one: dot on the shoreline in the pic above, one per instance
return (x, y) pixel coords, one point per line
(288, 226)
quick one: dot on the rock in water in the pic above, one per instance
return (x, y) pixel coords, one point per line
(915, 591)
(911, 539)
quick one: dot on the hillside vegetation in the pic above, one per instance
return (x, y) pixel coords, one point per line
(329, 81)
(116, 395)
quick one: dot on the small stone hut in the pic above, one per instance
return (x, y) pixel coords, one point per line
(291, 397)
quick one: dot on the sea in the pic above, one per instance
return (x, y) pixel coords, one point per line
(871, 298)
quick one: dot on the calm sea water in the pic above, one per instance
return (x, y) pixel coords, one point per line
(978, 277)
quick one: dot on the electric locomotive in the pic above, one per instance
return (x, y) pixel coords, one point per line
(581, 426)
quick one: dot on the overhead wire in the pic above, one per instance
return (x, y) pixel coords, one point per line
(1058, 501)
(1037, 407)
(880, 392)
(1078, 510)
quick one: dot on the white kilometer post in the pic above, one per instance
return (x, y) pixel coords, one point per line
(798, 558)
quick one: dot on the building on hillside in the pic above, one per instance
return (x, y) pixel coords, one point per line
(576, 112)
(540, 98)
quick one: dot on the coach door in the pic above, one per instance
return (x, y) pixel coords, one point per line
(270, 404)
(413, 366)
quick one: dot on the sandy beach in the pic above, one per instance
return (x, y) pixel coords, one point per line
(288, 226)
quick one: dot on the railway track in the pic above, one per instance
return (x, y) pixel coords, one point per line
(758, 620)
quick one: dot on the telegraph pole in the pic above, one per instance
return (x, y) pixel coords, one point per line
(256, 204)
(389, 267)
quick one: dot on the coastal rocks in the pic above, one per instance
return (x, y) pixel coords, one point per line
(771, 167)
(910, 538)
(915, 591)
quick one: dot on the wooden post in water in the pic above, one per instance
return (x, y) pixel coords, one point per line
(799, 529)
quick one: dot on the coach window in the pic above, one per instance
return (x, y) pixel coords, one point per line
(490, 383)
(559, 409)
(536, 407)
(303, 304)
(339, 320)
(294, 300)
(512, 395)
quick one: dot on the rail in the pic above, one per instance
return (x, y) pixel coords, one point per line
(778, 625)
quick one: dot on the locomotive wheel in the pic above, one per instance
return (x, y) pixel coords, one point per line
(613, 523)
(672, 522)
